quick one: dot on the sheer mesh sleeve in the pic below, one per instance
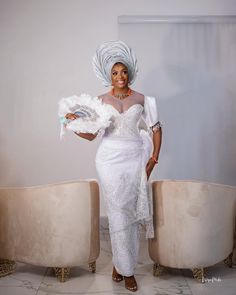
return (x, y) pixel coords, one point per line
(150, 114)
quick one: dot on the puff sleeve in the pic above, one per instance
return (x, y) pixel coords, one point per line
(150, 113)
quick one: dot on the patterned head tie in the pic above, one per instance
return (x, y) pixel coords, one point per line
(110, 53)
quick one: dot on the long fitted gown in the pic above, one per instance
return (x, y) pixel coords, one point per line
(120, 162)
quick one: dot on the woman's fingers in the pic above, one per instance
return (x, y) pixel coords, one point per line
(71, 116)
(68, 116)
(149, 167)
(148, 171)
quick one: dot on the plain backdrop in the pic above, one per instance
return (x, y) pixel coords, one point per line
(45, 54)
(189, 65)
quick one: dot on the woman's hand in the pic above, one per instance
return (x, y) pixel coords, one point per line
(149, 167)
(71, 116)
(88, 136)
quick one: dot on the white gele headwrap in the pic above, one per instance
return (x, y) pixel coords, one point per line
(110, 53)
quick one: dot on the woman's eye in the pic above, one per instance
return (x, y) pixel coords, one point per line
(114, 73)
(125, 72)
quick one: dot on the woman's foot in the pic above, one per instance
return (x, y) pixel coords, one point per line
(131, 284)
(116, 276)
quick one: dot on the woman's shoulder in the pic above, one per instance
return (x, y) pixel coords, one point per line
(143, 96)
(138, 94)
(137, 97)
(150, 98)
(104, 95)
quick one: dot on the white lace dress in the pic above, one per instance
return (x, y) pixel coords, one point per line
(120, 162)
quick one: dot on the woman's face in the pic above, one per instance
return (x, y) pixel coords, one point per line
(119, 76)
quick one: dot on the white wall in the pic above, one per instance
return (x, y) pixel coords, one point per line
(189, 64)
(46, 51)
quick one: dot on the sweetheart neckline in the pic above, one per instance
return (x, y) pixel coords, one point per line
(124, 112)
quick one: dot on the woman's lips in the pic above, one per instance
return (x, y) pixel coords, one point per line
(121, 82)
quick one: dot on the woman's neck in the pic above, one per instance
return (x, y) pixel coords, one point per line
(124, 90)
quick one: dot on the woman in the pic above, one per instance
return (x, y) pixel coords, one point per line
(123, 159)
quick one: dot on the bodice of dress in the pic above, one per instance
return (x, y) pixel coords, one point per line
(127, 113)
(125, 124)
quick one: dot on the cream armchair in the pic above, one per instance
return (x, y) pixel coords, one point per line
(194, 225)
(54, 225)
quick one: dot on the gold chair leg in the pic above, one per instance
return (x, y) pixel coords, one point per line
(62, 273)
(158, 269)
(92, 266)
(199, 274)
(6, 267)
(229, 260)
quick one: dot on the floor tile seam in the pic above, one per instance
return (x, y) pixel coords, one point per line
(186, 281)
(44, 275)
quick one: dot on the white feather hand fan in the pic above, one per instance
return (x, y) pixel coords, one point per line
(93, 115)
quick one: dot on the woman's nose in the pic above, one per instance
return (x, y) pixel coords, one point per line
(120, 75)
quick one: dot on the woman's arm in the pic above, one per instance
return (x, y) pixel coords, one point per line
(157, 138)
(88, 136)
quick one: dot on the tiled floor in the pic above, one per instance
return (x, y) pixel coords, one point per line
(32, 280)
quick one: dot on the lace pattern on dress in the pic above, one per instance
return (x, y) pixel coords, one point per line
(125, 247)
(121, 165)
